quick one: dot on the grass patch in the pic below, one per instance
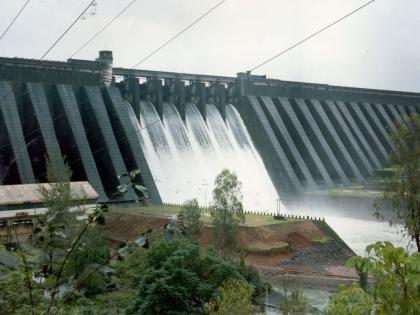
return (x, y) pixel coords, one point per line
(260, 248)
(252, 220)
(159, 210)
(321, 240)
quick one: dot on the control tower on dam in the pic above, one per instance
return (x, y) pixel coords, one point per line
(91, 115)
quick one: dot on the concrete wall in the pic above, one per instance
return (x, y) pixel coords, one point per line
(85, 126)
(310, 136)
(310, 144)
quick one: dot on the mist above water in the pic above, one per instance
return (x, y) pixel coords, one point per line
(355, 231)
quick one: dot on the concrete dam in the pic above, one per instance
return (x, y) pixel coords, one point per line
(180, 130)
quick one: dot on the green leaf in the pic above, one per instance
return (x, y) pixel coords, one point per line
(134, 173)
(60, 233)
(140, 188)
(122, 188)
(123, 175)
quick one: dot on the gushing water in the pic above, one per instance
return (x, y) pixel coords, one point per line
(185, 157)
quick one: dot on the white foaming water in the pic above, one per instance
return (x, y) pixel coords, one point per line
(185, 157)
(358, 233)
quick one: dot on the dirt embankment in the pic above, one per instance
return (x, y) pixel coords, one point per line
(299, 248)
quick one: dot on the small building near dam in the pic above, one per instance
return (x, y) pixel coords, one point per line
(20, 205)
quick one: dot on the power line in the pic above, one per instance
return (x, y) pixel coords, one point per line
(103, 28)
(312, 35)
(67, 30)
(53, 45)
(50, 48)
(14, 20)
(144, 59)
(179, 34)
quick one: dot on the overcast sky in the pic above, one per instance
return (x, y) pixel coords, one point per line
(378, 47)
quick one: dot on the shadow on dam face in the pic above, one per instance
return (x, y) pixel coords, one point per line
(283, 138)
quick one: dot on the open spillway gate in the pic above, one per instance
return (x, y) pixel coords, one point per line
(309, 136)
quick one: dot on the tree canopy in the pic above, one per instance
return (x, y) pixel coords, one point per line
(178, 279)
(395, 288)
(226, 211)
(403, 188)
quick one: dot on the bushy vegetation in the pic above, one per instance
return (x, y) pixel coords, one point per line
(178, 279)
(190, 216)
(234, 298)
(395, 288)
(62, 250)
(403, 188)
(351, 300)
(62, 269)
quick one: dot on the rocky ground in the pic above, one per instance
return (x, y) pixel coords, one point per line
(318, 257)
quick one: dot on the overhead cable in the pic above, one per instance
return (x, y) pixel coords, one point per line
(311, 36)
(14, 20)
(56, 42)
(103, 28)
(51, 47)
(178, 34)
(67, 30)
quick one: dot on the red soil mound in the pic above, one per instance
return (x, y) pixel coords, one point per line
(121, 226)
(298, 240)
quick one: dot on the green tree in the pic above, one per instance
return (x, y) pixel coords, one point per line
(403, 189)
(361, 265)
(92, 250)
(350, 301)
(55, 226)
(395, 288)
(132, 268)
(190, 215)
(234, 298)
(226, 212)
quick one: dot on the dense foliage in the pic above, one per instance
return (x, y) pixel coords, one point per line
(403, 189)
(178, 279)
(67, 241)
(351, 300)
(190, 215)
(234, 298)
(395, 288)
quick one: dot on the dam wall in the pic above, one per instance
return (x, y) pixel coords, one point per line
(307, 137)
